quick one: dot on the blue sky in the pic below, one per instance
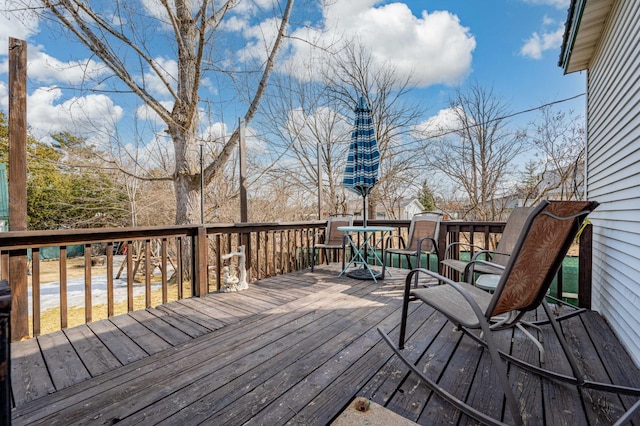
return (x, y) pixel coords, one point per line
(510, 53)
(510, 45)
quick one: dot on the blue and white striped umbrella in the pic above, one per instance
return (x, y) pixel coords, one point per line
(361, 172)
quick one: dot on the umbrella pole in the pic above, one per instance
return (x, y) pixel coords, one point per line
(364, 211)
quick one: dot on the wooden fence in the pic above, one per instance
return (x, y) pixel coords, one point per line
(150, 266)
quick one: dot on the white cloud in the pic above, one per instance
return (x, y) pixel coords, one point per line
(434, 48)
(92, 116)
(145, 112)
(438, 125)
(154, 84)
(260, 39)
(215, 132)
(43, 68)
(538, 43)
(20, 24)
(47, 69)
(4, 96)
(253, 7)
(157, 10)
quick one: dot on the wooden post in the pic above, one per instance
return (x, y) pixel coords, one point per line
(18, 184)
(585, 267)
(202, 269)
(245, 239)
(244, 211)
(319, 165)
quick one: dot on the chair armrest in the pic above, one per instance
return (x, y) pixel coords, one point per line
(447, 252)
(469, 268)
(391, 237)
(485, 252)
(433, 241)
(317, 234)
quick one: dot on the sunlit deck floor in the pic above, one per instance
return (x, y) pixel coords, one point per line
(293, 349)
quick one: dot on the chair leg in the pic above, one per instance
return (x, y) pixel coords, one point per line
(501, 371)
(577, 373)
(405, 308)
(533, 339)
(419, 265)
(384, 264)
(437, 389)
(313, 257)
(344, 257)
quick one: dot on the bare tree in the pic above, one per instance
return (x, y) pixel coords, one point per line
(350, 74)
(307, 130)
(477, 154)
(559, 138)
(122, 36)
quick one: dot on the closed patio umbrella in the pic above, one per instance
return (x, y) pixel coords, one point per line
(361, 172)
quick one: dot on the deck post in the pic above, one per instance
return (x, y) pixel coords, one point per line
(202, 273)
(585, 267)
(18, 183)
(442, 244)
(5, 353)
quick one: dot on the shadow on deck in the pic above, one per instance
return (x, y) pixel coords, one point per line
(294, 349)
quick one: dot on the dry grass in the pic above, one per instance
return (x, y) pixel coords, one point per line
(50, 319)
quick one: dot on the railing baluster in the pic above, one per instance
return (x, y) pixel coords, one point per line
(87, 284)
(147, 273)
(218, 261)
(109, 279)
(179, 266)
(35, 289)
(259, 274)
(163, 262)
(63, 287)
(130, 276)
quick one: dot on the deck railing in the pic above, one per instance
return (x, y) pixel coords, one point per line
(122, 270)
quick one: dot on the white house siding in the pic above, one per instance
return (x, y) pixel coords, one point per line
(613, 172)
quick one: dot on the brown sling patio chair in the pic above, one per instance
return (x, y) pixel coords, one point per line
(541, 246)
(422, 239)
(499, 256)
(331, 237)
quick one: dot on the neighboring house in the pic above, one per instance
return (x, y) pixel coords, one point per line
(603, 38)
(403, 209)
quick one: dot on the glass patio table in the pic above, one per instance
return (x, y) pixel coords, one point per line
(364, 251)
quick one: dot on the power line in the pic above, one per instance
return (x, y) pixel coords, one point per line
(507, 116)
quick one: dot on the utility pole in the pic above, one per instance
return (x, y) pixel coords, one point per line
(319, 181)
(201, 186)
(244, 210)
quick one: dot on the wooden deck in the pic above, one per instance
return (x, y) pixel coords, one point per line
(293, 349)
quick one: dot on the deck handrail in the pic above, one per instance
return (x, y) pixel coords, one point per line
(272, 249)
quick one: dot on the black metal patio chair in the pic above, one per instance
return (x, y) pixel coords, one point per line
(541, 246)
(331, 238)
(499, 256)
(422, 239)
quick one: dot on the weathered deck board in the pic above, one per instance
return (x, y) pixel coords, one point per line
(161, 328)
(94, 354)
(64, 364)
(30, 377)
(293, 349)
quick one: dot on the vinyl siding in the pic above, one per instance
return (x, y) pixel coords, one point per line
(613, 172)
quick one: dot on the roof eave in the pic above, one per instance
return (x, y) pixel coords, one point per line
(586, 21)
